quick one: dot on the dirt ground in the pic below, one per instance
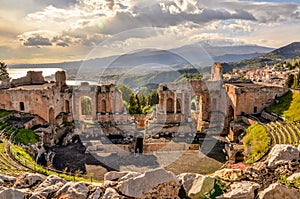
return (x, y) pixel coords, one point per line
(209, 159)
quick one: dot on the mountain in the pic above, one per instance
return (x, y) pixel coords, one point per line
(151, 60)
(278, 55)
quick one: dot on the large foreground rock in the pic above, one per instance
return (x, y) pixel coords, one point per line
(241, 190)
(119, 176)
(11, 194)
(282, 153)
(48, 187)
(76, 190)
(278, 191)
(196, 185)
(27, 180)
(110, 193)
(156, 183)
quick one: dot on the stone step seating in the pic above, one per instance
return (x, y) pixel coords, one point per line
(284, 133)
(274, 137)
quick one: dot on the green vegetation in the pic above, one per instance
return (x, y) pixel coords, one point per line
(191, 76)
(257, 142)
(218, 190)
(18, 135)
(26, 137)
(126, 92)
(288, 106)
(4, 113)
(7, 165)
(3, 71)
(24, 158)
(294, 184)
(134, 106)
(140, 103)
(289, 81)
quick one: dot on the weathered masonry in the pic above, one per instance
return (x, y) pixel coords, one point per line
(184, 107)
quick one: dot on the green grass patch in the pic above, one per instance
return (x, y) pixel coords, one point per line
(24, 158)
(257, 141)
(4, 113)
(25, 136)
(288, 106)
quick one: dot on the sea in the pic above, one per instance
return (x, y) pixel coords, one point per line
(48, 73)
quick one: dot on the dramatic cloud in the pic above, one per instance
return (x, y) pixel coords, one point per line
(37, 41)
(71, 27)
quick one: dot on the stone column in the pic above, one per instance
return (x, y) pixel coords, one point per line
(175, 102)
(183, 103)
(189, 104)
(165, 103)
(113, 108)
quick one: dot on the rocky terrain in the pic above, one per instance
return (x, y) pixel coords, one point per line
(277, 177)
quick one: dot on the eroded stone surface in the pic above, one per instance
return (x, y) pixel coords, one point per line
(229, 174)
(156, 183)
(241, 190)
(277, 191)
(196, 185)
(28, 180)
(282, 153)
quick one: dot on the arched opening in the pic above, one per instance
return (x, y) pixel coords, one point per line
(103, 106)
(170, 105)
(22, 106)
(67, 106)
(178, 106)
(51, 116)
(86, 105)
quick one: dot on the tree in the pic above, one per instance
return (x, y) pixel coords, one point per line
(126, 92)
(296, 83)
(142, 99)
(289, 81)
(153, 98)
(134, 105)
(3, 72)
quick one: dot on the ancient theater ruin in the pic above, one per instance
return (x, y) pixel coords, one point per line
(188, 107)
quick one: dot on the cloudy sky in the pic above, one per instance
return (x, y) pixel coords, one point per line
(43, 31)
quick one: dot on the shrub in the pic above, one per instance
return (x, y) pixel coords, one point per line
(26, 137)
(258, 141)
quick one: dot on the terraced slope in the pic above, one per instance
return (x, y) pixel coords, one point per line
(9, 166)
(284, 133)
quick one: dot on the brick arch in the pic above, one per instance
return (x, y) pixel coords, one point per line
(103, 106)
(86, 105)
(78, 94)
(51, 116)
(170, 105)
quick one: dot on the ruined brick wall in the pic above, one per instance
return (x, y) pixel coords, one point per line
(217, 72)
(109, 100)
(32, 77)
(251, 98)
(45, 100)
(105, 100)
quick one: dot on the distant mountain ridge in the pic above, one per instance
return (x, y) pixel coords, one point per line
(198, 54)
(289, 51)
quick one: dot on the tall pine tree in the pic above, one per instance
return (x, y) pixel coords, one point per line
(3, 72)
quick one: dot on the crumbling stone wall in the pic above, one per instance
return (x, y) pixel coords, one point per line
(32, 77)
(45, 100)
(249, 98)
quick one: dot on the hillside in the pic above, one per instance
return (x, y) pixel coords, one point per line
(288, 106)
(281, 54)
